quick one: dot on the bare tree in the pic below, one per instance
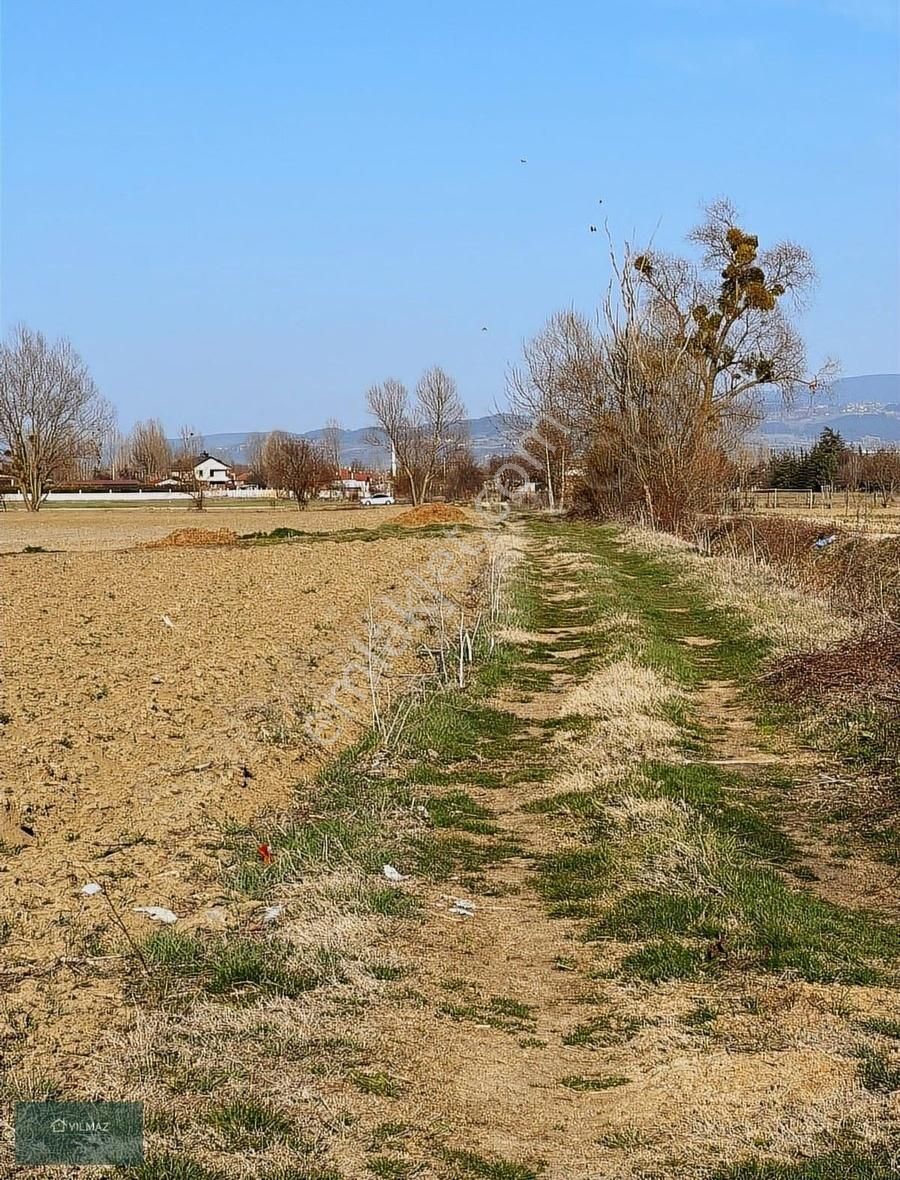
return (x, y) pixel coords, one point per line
(689, 350)
(462, 477)
(150, 454)
(295, 465)
(189, 453)
(115, 454)
(254, 452)
(421, 434)
(879, 470)
(332, 446)
(552, 396)
(51, 413)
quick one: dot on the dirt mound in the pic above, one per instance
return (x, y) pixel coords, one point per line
(188, 538)
(431, 514)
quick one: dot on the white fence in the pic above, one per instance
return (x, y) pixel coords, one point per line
(151, 497)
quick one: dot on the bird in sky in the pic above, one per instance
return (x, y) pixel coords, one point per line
(593, 229)
(484, 329)
(522, 160)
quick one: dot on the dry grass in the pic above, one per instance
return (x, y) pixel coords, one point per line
(626, 702)
(790, 618)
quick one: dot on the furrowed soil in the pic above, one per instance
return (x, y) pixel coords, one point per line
(574, 921)
(150, 700)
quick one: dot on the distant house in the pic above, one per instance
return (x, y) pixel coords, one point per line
(352, 485)
(208, 472)
(213, 472)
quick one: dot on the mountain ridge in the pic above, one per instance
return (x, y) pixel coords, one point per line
(863, 409)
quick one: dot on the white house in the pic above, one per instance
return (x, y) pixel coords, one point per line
(213, 472)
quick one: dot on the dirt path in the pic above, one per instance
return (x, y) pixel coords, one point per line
(524, 1048)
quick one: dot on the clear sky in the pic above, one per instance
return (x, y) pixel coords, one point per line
(243, 213)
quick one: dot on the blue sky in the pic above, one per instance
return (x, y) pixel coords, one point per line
(242, 214)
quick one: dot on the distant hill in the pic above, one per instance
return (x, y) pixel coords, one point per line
(862, 409)
(486, 435)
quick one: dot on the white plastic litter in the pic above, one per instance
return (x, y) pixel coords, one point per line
(91, 889)
(271, 914)
(465, 909)
(157, 913)
(168, 622)
(391, 873)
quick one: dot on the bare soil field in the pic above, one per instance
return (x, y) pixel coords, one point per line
(858, 511)
(149, 699)
(97, 529)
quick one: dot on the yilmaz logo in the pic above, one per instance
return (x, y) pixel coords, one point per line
(60, 1126)
(80, 1133)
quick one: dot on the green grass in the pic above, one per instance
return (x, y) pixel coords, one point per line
(570, 881)
(602, 1032)
(578, 1082)
(382, 532)
(468, 1165)
(379, 1083)
(512, 1009)
(245, 1124)
(170, 1166)
(877, 1073)
(663, 960)
(882, 1027)
(770, 926)
(847, 1164)
(238, 967)
(387, 1167)
(500, 1012)
(710, 792)
(458, 810)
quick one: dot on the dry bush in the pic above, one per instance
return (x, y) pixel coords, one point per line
(858, 574)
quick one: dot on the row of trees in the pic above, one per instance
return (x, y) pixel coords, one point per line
(637, 414)
(55, 427)
(830, 463)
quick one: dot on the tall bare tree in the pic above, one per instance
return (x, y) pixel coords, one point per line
(115, 454)
(332, 437)
(51, 414)
(551, 396)
(188, 454)
(421, 434)
(690, 350)
(295, 465)
(253, 455)
(879, 471)
(150, 453)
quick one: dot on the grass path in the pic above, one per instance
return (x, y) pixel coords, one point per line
(583, 1023)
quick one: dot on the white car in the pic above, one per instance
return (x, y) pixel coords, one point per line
(376, 499)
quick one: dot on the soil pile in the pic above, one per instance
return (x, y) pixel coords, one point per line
(431, 514)
(188, 538)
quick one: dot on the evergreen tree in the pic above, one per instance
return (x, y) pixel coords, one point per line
(825, 459)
